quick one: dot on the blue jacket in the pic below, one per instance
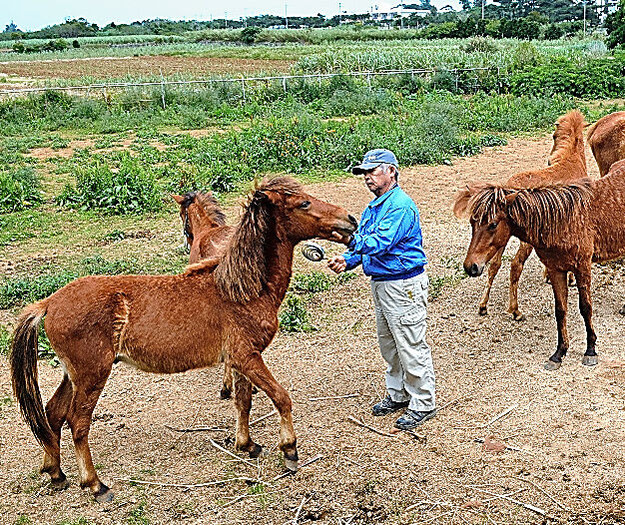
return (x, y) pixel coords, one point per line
(388, 241)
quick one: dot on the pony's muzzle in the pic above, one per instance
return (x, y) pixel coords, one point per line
(474, 270)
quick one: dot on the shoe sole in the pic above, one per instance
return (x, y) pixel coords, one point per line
(390, 411)
(418, 423)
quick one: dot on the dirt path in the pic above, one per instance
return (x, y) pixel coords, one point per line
(566, 429)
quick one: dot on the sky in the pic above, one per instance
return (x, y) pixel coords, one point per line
(31, 15)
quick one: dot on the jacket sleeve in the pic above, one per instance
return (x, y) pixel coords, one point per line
(388, 232)
(352, 259)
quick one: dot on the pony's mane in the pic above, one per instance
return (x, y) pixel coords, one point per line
(208, 203)
(543, 211)
(568, 137)
(243, 273)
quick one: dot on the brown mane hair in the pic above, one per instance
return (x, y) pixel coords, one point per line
(543, 211)
(242, 274)
(207, 202)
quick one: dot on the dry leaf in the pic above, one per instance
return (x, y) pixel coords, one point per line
(394, 430)
(491, 445)
(471, 504)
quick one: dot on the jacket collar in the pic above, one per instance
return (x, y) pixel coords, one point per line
(379, 200)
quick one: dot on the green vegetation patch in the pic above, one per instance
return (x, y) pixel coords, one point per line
(19, 188)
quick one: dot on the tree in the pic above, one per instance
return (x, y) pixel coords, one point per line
(12, 28)
(615, 24)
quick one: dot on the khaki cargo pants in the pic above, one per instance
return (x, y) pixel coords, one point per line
(400, 310)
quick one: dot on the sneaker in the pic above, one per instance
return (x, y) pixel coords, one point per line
(388, 406)
(412, 419)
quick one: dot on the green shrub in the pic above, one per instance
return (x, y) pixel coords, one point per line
(5, 341)
(293, 316)
(312, 282)
(130, 188)
(19, 189)
(480, 44)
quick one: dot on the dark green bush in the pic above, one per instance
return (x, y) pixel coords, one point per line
(293, 316)
(19, 189)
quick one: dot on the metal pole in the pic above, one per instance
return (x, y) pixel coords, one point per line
(286, 18)
(483, 9)
(584, 17)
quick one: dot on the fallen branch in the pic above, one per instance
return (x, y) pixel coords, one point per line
(305, 464)
(498, 417)
(184, 485)
(299, 509)
(196, 429)
(540, 489)
(527, 506)
(332, 397)
(219, 447)
(369, 427)
(274, 411)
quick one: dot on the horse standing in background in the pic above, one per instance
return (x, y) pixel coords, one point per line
(569, 226)
(606, 138)
(567, 162)
(172, 323)
(207, 235)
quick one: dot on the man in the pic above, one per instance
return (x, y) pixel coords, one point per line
(388, 244)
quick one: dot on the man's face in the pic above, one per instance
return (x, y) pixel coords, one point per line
(379, 180)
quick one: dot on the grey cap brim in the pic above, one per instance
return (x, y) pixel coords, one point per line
(359, 170)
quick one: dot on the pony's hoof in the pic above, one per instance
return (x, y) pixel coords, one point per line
(104, 494)
(483, 310)
(59, 484)
(225, 393)
(552, 365)
(256, 451)
(518, 316)
(291, 465)
(590, 360)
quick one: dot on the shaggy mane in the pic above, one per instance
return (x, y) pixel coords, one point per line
(208, 203)
(243, 273)
(544, 211)
(568, 137)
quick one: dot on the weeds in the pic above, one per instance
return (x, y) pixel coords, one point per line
(5, 341)
(293, 315)
(19, 188)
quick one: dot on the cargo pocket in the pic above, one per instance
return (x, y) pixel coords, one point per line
(412, 326)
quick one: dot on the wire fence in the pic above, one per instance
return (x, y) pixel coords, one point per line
(464, 79)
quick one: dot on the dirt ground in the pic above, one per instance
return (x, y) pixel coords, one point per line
(565, 461)
(103, 68)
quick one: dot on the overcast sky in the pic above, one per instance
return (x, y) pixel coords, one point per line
(34, 14)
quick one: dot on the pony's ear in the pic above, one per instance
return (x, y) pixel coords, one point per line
(461, 203)
(178, 198)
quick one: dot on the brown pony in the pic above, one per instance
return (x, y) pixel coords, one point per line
(567, 162)
(168, 324)
(569, 226)
(206, 235)
(606, 138)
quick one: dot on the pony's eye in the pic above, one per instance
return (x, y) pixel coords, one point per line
(492, 226)
(305, 205)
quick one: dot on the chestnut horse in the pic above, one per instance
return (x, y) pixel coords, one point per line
(606, 138)
(207, 235)
(168, 324)
(567, 162)
(569, 226)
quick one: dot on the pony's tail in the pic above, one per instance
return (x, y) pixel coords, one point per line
(24, 373)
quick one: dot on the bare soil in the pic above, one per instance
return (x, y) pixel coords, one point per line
(564, 430)
(103, 68)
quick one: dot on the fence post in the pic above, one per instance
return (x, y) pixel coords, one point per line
(456, 73)
(162, 88)
(369, 79)
(243, 88)
(284, 83)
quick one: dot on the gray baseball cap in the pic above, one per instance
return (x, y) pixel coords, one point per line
(373, 159)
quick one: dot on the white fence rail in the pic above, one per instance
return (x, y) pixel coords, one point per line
(243, 80)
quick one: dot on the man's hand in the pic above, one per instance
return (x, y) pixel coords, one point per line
(337, 264)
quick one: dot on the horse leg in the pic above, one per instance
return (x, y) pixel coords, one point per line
(560, 293)
(583, 279)
(493, 268)
(79, 420)
(56, 411)
(255, 369)
(228, 380)
(243, 403)
(516, 268)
